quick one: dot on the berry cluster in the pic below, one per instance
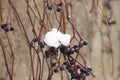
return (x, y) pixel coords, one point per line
(51, 53)
(75, 49)
(71, 65)
(65, 50)
(58, 7)
(73, 68)
(57, 68)
(5, 27)
(77, 71)
(41, 44)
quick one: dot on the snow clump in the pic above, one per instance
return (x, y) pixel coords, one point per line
(55, 38)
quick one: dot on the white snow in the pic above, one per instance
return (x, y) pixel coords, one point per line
(55, 38)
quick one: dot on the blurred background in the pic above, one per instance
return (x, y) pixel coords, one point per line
(97, 21)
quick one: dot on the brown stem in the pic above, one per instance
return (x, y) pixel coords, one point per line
(1, 12)
(5, 59)
(37, 7)
(13, 56)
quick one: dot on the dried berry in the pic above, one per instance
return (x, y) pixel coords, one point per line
(50, 7)
(87, 73)
(110, 21)
(67, 66)
(3, 26)
(6, 29)
(78, 66)
(41, 44)
(89, 68)
(47, 54)
(75, 46)
(56, 70)
(72, 62)
(84, 42)
(71, 70)
(53, 64)
(61, 68)
(76, 50)
(82, 70)
(59, 8)
(80, 76)
(65, 63)
(11, 29)
(63, 48)
(69, 52)
(54, 52)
